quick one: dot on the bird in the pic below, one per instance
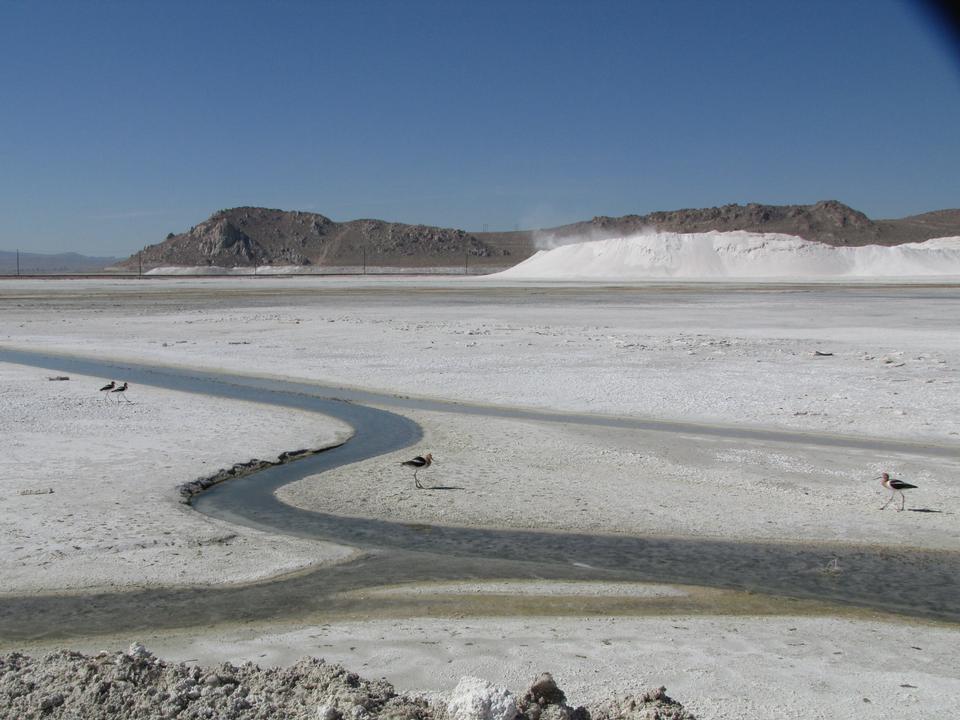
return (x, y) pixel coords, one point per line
(894, 486)
(121, 389)
(419, 462)
(108, 387)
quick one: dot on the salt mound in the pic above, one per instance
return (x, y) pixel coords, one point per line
(720, 255)
(218, 270)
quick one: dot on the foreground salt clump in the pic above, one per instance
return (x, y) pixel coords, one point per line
(476, 699)
(136, 684)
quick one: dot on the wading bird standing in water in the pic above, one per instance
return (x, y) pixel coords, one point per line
(894, 486)
(108, 388)
(122, 389)
(419, 462)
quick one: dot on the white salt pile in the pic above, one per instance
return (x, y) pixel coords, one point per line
(219, 270)
(725, 255)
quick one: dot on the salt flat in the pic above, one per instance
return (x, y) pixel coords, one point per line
(713, 353)
(738, 354)
(571, 478)
(720, 668)
(88, 487)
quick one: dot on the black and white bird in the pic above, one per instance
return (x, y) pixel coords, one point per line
(121, 389)
(106, 389)
(894, 486)
(419, 462)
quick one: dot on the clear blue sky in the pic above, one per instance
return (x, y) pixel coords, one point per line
(122, 121)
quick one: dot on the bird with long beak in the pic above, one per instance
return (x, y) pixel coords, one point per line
(894, 486)
(108, 388)
(419, 462)
(121, 389)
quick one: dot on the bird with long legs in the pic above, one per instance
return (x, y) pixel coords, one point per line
(107, 389)
(895, 486)
(419, 463)
(121, 390)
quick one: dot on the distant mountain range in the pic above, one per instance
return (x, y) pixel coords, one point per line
(40, 263)
(253, 236)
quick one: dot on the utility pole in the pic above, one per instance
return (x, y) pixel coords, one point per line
(18, 262)
(466, 260)
(140, 264)
(364, 260)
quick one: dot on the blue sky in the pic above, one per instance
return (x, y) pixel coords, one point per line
(120, 122)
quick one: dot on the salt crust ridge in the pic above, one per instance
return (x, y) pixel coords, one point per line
(136, 684)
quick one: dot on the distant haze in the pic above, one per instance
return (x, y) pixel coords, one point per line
(38, 263)
(550, 240)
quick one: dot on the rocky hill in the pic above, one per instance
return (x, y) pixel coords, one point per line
(829, 221)
(250, 236)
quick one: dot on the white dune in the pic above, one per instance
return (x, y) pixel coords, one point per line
(720, 255)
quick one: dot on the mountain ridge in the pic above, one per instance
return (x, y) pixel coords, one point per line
(251, 236)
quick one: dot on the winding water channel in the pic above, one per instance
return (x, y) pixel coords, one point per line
(911, 582)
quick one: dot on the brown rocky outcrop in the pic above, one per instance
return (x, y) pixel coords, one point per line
(249, 236)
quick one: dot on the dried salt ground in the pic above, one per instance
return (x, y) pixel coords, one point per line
(738, 357)
(720, 668)
(733, 356)
(88, 488)
(573, 478)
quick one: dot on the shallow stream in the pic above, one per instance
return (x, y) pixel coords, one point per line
(910, 582)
